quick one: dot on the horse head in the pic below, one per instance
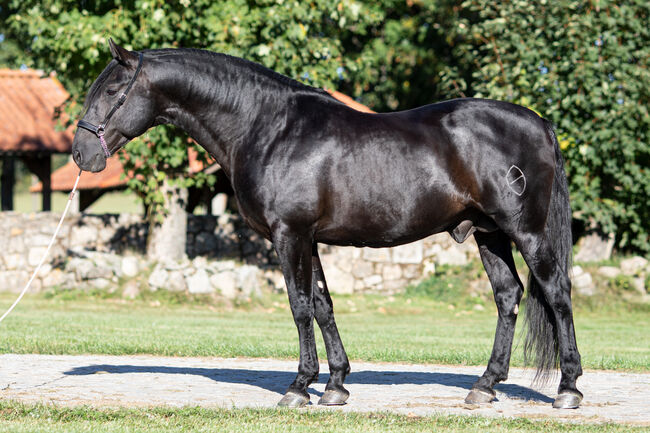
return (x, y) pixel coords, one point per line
(118, 108)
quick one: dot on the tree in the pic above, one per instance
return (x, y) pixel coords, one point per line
(299, 39)
(584, 66)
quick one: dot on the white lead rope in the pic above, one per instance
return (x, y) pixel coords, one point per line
(38, 268)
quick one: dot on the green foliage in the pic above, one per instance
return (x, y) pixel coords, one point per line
(301, 39)
(584, 66)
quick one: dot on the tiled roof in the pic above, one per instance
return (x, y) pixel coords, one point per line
(27, 104)
(111, 177)
(349, 101)
(63, 178)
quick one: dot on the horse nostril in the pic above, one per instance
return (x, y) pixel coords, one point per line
(76, 155)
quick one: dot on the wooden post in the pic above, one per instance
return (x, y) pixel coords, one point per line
(46, 180)
(8, 179)
(41, 166)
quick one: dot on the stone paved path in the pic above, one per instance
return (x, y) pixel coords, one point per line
(403, 388)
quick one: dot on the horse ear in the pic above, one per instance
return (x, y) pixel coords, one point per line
(122, 55)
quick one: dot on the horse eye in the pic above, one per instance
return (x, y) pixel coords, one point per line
(111, 92)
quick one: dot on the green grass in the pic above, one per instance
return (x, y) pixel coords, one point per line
(111, 202)
(18, 417)
(373, 328)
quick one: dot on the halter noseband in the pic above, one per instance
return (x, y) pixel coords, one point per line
(99, 129)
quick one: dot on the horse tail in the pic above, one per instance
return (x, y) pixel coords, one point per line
(541, 342)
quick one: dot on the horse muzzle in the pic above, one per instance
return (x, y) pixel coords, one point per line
(88, 157)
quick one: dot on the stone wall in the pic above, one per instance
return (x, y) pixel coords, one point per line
(223, 255)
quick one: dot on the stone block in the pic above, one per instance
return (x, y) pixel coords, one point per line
(376, 254)
(248, 280)
(99, 283)
(373, 280)
(634, 265)
(391, 272)
(412, 253)
(339, 281)
(583, 282)
(223, 265)
(129, 266)
(226, 283)
(39, 240)
(13, 281)
(84, 235)
(394, 286)
(176, 282)
(15, 261)
(412, 272)
(362, 269)
(158, 277)
(452, 256)
(15, 244)
(639, 285)
(45, 269)
(55, 277)
(199, 282)
(609, 271)
(594, 247)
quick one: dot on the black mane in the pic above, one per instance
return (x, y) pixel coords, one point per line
(254, 67)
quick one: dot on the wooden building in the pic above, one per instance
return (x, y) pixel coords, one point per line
(28, 102)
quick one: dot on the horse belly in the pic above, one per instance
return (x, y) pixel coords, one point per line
(383, 217)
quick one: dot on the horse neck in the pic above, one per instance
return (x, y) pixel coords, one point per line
(221, 103)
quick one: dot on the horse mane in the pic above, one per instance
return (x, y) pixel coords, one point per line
(254, 67)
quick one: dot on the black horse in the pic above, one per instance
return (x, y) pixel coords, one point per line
(306, 169)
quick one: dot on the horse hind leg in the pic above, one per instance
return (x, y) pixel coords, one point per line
(496, 254)
(335, 394)
(549, 317)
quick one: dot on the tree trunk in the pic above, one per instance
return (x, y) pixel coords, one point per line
(167, 236)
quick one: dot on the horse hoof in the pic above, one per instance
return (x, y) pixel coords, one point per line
(567, 400)
(477, 396)
(334, 397)
(293, 399)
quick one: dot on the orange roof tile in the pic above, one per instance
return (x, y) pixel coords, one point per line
(27, 104)
(111, 177)
(63, 178)
(349, 101)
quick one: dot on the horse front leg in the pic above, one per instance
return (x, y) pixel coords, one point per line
(294, 253)
(335, 394)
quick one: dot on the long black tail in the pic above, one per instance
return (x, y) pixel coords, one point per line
(541, 344)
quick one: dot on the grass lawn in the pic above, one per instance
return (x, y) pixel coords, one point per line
(373, 328)
(427, 324)
(17, 417)
(111, 202)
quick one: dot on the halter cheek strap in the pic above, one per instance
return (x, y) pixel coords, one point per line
(98, 130)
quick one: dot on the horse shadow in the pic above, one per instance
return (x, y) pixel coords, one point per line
(277, 381)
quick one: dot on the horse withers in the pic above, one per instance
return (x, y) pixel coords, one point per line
(307, 169)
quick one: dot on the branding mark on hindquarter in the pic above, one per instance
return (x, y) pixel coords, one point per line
(516, 180)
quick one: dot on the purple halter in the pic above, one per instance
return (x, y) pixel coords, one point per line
(98, 130)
